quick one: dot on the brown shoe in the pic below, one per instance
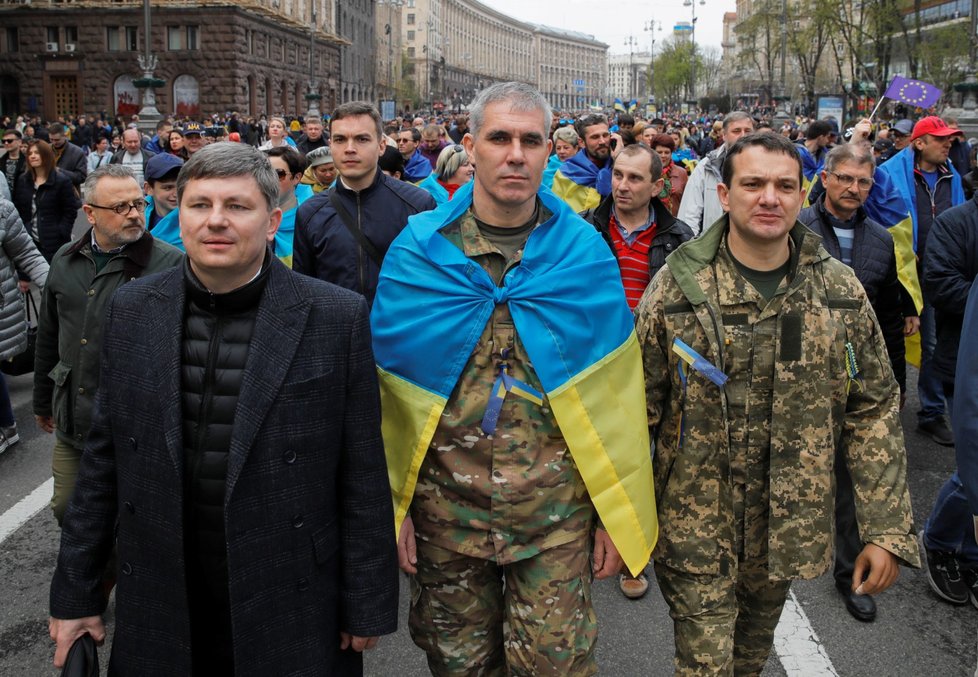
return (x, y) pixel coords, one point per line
(633, 588)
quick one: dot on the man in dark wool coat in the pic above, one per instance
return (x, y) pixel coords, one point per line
(236, 444)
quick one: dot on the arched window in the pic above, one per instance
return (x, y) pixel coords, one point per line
(186, 96)
(126, 97)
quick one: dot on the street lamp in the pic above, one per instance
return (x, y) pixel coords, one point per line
(389, 31)
(630, 42)
(692, 36)
(650, 27)
(312, 96)
(148, 114)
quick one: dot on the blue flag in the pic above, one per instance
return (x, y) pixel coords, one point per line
(913, 92)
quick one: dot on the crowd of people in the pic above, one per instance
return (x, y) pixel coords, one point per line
(508, 351)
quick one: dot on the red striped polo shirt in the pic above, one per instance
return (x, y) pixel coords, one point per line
(633, 259)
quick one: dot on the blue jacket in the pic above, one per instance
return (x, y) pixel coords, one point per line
(166, 229)
(964, 417)
(324, 247)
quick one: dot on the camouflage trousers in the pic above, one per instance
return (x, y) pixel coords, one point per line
(532, 617)
(724, 625)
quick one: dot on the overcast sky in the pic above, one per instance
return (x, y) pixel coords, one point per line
(613, 22)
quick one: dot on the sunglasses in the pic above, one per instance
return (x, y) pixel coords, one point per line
(281, 173)
(9, 140)
(457, 148)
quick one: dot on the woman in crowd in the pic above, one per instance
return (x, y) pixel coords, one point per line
(289, 164)
(566, 144)
(452, 171)
(174, 144)
(278, 134)
(673, 173)
(17, 253)
(46, 200)
(100, 155)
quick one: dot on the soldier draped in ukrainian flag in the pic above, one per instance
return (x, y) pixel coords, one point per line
(513, 411)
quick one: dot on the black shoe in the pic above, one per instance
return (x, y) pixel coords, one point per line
(862, 607)
(944, 575)
(938, 430)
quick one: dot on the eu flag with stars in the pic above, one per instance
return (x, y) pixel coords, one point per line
(914, 92)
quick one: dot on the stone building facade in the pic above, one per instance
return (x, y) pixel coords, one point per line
(457, 47)
(63, 58)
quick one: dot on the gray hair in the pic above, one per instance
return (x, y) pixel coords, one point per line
(567, 135)
(735, 116)
(229, 160)
(850, 152)
(520, 97)
(116, 171)
(449, 160)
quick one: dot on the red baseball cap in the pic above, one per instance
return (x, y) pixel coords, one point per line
(934, 126)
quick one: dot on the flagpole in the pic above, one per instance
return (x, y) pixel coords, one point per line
(879, 103)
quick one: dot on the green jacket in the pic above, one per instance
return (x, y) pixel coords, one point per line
(69, 334)
(814, 409)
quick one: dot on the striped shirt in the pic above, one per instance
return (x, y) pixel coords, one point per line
(632, 252)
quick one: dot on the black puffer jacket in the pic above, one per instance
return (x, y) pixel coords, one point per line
(325, 248)
(217, 333)
(57, 209)
(874, 262)
(950, 268)
(670, 231)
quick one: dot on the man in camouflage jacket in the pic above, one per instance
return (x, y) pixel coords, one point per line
(744, 453)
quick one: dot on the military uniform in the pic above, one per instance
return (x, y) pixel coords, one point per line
(744, 473)
(508, 505)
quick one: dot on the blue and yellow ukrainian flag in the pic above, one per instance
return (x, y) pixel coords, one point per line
(619, 105)
(569, 309)
(285, 235)
(887, 206)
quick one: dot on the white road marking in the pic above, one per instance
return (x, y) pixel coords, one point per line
(26, 508)
(797, 645)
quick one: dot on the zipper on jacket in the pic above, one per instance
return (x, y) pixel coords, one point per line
(207, 394)
(363, 284)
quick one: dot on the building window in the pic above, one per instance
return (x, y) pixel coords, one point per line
(411, 52)
(54, 39)
(132, 39)
(71, 34)
(174, 38)
(13, 42)
(410, 35)
(192, 42)
(410, 19)
(112, 39)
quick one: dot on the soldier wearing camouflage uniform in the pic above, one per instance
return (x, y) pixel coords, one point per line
(500, 528)
(744, 452)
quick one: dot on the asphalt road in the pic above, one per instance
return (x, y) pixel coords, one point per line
(914, 634)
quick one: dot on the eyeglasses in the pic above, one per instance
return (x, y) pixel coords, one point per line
(846, 180)
(124, 208)
(281, 173)
(457, 148)
(9, 140)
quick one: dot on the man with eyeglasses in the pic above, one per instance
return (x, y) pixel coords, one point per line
(851, 236)
(68, 157)
(416, 166)
(13, 161)
(84, 275)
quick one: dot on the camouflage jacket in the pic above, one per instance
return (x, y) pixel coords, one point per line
(814, 409)
(507, 496)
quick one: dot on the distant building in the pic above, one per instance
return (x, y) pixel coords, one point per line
(64, 58)
(457, 47)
